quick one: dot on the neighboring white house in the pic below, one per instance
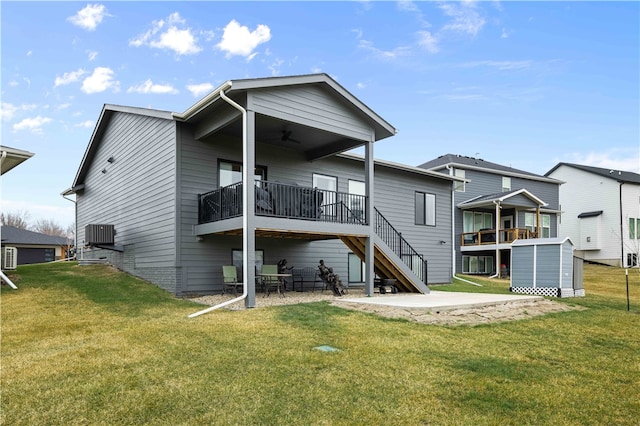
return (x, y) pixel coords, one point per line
(600, 212)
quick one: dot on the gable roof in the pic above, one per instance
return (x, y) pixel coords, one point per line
(500, 198)
(472, 163)
(105, 115)
(13, 235)
(382, 128)
(12, 157)
(617, 175)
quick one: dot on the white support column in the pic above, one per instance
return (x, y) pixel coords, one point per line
(369, 191)
(497, 239)
(249, 210)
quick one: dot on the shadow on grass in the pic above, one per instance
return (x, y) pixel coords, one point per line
(113, 290)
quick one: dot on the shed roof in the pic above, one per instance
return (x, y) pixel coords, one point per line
(541, 241)
(590, 214)
(13, 235)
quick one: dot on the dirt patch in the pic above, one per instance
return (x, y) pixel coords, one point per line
(465, 316)
(507, 311)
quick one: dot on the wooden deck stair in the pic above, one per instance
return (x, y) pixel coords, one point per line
(387, 264)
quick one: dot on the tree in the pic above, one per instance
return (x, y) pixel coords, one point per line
(19, 219)
(49, 227)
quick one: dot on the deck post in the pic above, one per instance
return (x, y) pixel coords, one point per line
(369, 250)
(249, 210)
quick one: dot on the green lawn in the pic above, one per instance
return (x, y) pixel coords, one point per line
(90, 345)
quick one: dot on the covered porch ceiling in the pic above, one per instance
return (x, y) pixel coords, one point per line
(312, 142)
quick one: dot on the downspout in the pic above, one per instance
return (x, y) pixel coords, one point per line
(621, 229)
(245, 200)
(75, 234)
(453, 223)
(2, 275)
(496, 237)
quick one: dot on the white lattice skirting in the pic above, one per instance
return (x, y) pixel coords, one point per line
(538, 291)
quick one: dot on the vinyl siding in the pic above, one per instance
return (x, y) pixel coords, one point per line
(486, 183)
(137, 192)
(584, 192)
(201, 261)
(313, 107)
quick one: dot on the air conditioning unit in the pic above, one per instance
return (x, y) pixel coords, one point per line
(9, 257)
(95, 234)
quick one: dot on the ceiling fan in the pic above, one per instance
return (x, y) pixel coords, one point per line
(286, 137)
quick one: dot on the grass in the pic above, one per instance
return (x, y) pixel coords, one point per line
(90, 345)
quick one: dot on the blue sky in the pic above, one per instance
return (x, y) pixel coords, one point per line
(526, 84)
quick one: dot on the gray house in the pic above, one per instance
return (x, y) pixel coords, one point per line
(35, 247)
(496, 206)
(253, 173)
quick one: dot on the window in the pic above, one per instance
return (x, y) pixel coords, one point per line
(425, 209)
(545, 226)
(329, 186)
(230, 172)
(632, 260)
(475, 221)
(506, 184)
(460, 186)
(356, 204)
(634, 232)
(477, 264)
(236, 260)
(356, 269)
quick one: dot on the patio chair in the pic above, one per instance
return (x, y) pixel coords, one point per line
(230, 279)
(270, 282)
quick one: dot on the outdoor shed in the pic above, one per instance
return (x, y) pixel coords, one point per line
(543, 266)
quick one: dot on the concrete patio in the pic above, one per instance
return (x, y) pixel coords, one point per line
(440, 300)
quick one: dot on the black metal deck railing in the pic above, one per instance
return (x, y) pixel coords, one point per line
(400, 246)
(283, 200)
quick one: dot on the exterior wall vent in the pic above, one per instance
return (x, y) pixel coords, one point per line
(98, 234)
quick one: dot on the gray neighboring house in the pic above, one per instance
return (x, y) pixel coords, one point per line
(254, 172)
(601, 212)
(497, 206)
(34, 247)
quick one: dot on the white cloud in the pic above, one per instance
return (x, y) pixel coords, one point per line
(466, 18)
(275, 66)
(86, 124)
(617, 159)
(89, 17)
(500, 65)
(407, 6)
(360, 85)
(198, 90)
(384, 54)
(13, 83)
(100, 80)
(170, 34)
(92, 54)
(149, 87)
(34, 124)
(428, 41)
(505, 33)
(7, 110)
(69, 77)
(238, 40)
(30, 52)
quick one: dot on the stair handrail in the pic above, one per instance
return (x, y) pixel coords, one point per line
(400, 246)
